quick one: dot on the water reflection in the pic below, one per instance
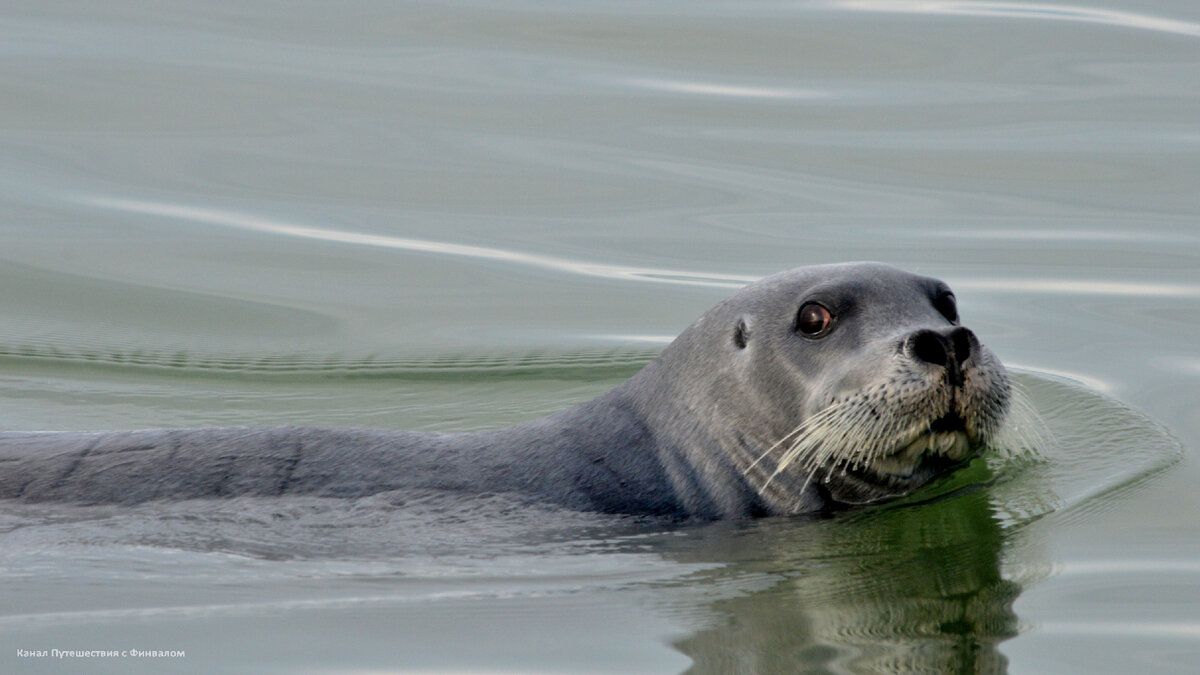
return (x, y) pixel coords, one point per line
(927, 585)
(899, 590)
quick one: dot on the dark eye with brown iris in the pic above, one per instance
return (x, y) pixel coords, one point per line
(946, 305)
(813, 320)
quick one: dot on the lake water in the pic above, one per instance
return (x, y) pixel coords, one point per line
(459, 215)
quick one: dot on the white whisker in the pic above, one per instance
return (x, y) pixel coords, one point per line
(880, 437)
(1023, 431)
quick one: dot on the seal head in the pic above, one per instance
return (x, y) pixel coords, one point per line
(836, 385)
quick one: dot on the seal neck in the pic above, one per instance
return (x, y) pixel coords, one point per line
(640, 449)
(700, 456)
(598, 456)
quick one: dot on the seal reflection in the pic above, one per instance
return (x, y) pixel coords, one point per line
(911, 588)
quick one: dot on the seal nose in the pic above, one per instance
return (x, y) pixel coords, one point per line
(964, 343)
(928, 346)
(949, 349)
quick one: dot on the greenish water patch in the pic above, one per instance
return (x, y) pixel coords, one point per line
(916, 589)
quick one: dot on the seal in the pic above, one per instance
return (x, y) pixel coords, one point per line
(814, 389)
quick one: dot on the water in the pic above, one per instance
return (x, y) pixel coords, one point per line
(462, 215)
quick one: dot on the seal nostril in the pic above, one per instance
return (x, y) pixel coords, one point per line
(927, 346)
(962, 340)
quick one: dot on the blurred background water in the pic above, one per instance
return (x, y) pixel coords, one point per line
(458, 215)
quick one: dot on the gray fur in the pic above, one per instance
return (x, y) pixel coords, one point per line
(691, 435)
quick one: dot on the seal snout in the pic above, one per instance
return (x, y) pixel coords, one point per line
(950, 348)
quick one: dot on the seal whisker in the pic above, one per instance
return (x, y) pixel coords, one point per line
(854, 433)
(817, 428)
(799, 427)
(1022, 431)
(807, 429)
(807, 442)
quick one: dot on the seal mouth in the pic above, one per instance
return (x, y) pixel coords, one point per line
(950, 422)
(928, 451)
(880, 443)
(944, 444)
(920, 460)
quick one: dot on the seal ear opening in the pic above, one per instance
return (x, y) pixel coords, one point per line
(741, 334)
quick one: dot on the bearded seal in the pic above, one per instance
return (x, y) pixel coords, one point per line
(814, 389)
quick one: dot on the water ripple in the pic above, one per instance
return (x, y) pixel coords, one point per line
(254, 223)
(727, 89)
(1123, 629)
(1024, 10)
(243, 221)
(1074, 287)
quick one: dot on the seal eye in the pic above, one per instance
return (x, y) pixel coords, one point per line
(813, 320)
(947, 307)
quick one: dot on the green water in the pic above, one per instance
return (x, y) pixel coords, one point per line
(460, 215)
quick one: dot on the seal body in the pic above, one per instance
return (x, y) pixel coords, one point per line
(811, 389)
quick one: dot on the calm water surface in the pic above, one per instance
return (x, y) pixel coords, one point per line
(459, 215)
